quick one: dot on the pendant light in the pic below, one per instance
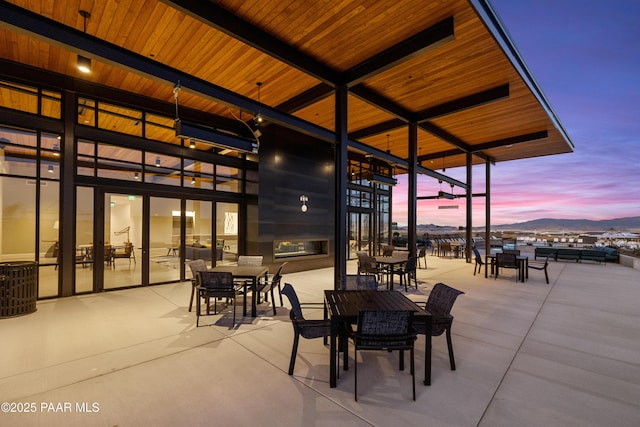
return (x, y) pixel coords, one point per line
(84, 63)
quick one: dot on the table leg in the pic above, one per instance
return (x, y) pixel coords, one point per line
(254, 297)
(244, 300)
(427, 351)
(333, 354)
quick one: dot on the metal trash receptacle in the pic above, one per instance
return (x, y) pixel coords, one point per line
(18, 288)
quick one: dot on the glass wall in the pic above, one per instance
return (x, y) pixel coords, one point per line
(84, 240)
(227, 230)
(31, 191)
(164, 239)
(123, 224)
(29, 202)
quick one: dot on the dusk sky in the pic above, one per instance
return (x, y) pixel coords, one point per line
(585, 56)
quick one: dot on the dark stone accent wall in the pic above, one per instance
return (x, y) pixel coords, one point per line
(291, 165)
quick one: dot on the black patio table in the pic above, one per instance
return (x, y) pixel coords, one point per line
(390, 263)
(344, 306)
(252, 273)
(522, 260)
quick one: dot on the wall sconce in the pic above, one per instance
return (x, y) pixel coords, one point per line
(136, 176)
(304, 199)
(50, 168)
(158, 162)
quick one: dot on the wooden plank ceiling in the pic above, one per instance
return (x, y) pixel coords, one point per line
(440, 64)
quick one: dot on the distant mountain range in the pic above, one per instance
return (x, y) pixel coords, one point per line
(630, 224)
(552, 224)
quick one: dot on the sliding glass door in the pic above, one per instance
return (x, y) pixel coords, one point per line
(164, 239)
(123, 244)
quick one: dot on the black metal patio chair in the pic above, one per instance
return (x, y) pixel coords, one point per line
(384, 330)
(439, 304)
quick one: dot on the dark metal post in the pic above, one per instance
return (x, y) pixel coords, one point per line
(412, 209)
(487, 208)
(340, 250)
(67, 232)
(469, 200)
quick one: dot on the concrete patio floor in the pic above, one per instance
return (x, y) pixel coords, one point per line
(527, 354)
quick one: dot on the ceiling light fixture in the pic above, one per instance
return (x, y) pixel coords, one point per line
(84, 63)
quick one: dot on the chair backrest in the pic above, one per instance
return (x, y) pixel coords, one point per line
(505, 260)
(250, 260)
(360, 282)
(440, 302)
(511, 251)
(128, 248)
(411, 264)
(275, 280)
(365, 261)
(478, 256)
(296, 310)
(195, 266)
(387, 250)
(384, 323)
(217, 280)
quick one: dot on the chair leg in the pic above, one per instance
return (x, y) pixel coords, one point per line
(294, 352)
(193, 292)
(452, 360)
(413, 373)
(273, 302)
(280, 293)
(233, 300)
(198, 311)
(355, 375)
(546, 275)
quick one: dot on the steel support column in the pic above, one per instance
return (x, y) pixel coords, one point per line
(67, 231)
(342, 138)
(412, 209)
(487, 216)
(469, 200)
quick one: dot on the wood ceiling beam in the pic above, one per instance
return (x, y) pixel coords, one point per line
(520, 139)
(438, 132)
(33, 25)
(467, 102)
(222, 20)
(457, 105)
(451, 139)
(434, 36)
(377, 129)
(306, 98)
(380, 101)
(440, 155)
